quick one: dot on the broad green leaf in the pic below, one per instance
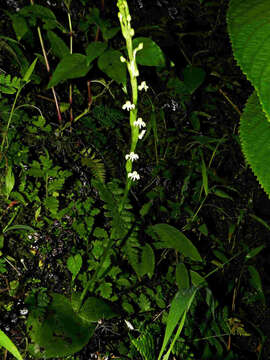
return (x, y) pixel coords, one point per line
(61, 333)
(182, 277)
(254, 136)
(108, 34)
(249, 31)
(172, 238)
(70, 67)
(151, 54)
(109, 62)
(6, 343)
(74, 264)
(19, 25)
(59, 47)
(255, 252)
(9, 181)
(193, 78)
(94, 50)
(95, 309)
(180, 304)
(29, 71)
(35, 12)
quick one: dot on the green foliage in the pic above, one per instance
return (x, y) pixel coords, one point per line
(62, 332)
(248, 30)
(8, 344)
(173, 239)
(9, 85)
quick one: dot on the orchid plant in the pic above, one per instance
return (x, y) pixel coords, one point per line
(137, 125)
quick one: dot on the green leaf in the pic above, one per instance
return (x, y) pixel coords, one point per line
(70, 67)
(29, 71)
(94, 50)
(172, 238)
(255, 252)
(9, 181)
(249, 31)
(196, 279)
(35, 12)
(74, 264)
(180, 304)
(51, 204)
(182, 277)
(6, 343)
(254, 135)
(61, 333)
(95, 309)
(255, 282)
(19, 227)
(151, 54)
(193, 77)
(109, 62)
(59, 47)
(147, 264)
(19, 25)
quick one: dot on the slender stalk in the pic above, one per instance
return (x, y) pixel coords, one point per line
(48, 70)
(71, 51)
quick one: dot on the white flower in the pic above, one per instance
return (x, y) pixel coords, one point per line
(133, 68)
(128, 106)
(140, 123)
(134, 176)
(132, 156)
(143, 86)
(141, 135)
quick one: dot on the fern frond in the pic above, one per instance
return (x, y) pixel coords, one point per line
(145, 345)
(9, 85)
(96, 166)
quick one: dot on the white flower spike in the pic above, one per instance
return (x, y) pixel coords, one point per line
(134, 176)
(140, 123)
(143, 86)
(128, 106)
(141, 135)
(132, 156)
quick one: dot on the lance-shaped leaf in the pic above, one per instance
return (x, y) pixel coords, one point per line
(172, 238)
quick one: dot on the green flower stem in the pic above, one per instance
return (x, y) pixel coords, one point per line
(128, 33)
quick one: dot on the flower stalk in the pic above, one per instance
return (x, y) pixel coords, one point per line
(131, 106)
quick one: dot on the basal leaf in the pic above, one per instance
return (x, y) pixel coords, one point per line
(95, 309)
(172, 238)
(109, 62)
(151, 54)
(70, 67)
(61, 333)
